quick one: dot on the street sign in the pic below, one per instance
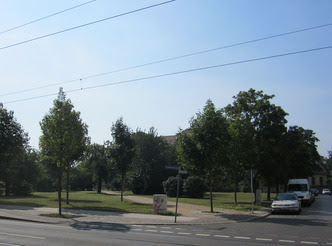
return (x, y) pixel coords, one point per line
(172, 167)
(252, 172)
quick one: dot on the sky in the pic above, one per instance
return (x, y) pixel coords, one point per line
(32, 72)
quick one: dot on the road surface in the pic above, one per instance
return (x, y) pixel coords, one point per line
(312, 227)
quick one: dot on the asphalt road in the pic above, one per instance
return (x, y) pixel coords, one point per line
(312, 227)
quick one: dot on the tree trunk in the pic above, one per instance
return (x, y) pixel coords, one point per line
(235, 188)
(99, 186)
(67, 188)
(7, 187)
(122, 187)
(59, 189)
(211, 197)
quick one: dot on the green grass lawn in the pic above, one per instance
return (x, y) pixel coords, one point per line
(221, 200)
(87, 200)
(225, 200)
(90, 200)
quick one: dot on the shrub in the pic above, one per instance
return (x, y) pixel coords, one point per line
(194, 187)
(170, 186)
(22, 188)
(137, 185)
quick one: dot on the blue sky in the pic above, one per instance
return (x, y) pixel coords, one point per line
(301, 83)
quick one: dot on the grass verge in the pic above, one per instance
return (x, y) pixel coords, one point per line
(221, 200)
(86, 200)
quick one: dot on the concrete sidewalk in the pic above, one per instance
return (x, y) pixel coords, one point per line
(34, 214)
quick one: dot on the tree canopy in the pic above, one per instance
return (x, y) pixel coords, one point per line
(121, 149)
(204, 148)
(64, 137)
(152, 154)
(13, 152)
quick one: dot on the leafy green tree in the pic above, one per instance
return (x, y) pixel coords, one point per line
(204, 148)
(64, 137)
(47, 176)
(121, 150)
(152, 154)
(265, 123)
(13, 146)
(81, 177)
(96, 157)
(242, 150)
(328, 167)
(300, 155)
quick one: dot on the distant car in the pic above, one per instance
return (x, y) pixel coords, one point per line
(326, 192)
(314, 191)
(286, 202)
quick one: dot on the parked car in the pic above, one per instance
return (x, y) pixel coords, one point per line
(286, 202)
(326, 191)
(315, 191)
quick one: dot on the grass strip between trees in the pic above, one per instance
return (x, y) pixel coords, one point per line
(89, 200)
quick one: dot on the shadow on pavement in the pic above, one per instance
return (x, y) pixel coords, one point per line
(292, 220)
(99, 226)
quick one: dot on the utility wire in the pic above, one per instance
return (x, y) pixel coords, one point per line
(83, 25)
(179, 72)
(45, 17)
(171, 59)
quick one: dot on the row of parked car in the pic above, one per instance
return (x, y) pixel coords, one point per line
(324, 191)
(298, 194)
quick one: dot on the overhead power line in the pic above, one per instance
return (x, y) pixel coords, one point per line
(171, 59)
(84, 25)
(178, 72)
(45, 17)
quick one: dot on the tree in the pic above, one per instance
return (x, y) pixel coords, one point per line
(64, 136)
(96, 158)
(242, 150)
(328, 167)
(81, 177)
(266, 124)
(121, 149)
(300, 155)
(204, 148)
(13, 146)
(152, 154)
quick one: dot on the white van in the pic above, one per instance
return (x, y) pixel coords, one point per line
(302, 189)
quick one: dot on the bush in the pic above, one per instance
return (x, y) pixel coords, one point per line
(137, 185)
(170, 186)
(22, 188)
(194, 187)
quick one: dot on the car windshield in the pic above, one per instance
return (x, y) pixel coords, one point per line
(285, 196)
(297, 187)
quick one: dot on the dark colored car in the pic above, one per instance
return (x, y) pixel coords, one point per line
(315, 191)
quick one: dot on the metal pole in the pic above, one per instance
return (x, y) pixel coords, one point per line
(177, 195)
